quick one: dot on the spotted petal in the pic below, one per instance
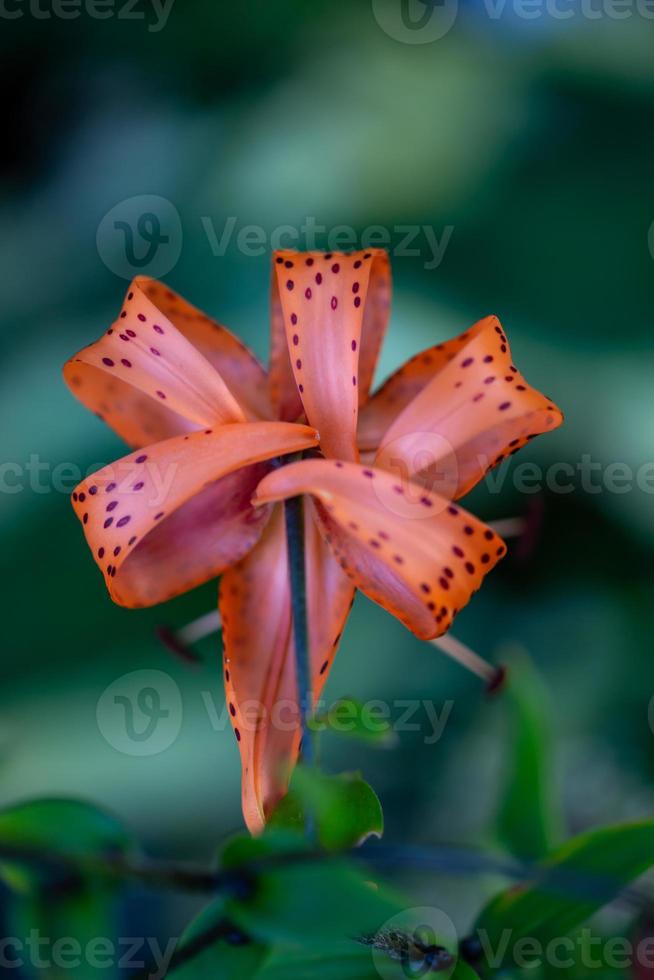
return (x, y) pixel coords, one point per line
(259, 659)
(408, 549)
(233, 360)
(166, 519)
(335, 310)
(148, 380)
(399, 390)
(284, 394)
(473, 411)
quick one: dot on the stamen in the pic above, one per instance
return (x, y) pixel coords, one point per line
(493, 676)
(180, 642)
(203, 626)
(509, 527)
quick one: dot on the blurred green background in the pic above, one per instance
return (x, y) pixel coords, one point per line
(530, 139)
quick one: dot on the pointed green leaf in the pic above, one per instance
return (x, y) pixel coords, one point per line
(569, 886)
(345, 808)
(348, 960)
(71, 908)
(212, 947)
(293, 895)
(528, 821)
(338, 960)
(353, 719)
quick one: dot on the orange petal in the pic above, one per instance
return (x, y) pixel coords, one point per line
(284, 395)
(475, 410)
(408, 549)
(381, 410)
(238, 367)
(335, 310)
(163, 520)
(259, 656)
(146, 380)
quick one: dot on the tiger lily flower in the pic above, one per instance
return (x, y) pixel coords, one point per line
(441, 421)
(197, 496)
(206, 423)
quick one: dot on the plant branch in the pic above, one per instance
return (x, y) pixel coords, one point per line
(444, 859)
(294, 513)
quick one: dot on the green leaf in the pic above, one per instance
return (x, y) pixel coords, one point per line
(293, 895)
(345, 809)
(355, 720)
(275, 842)
(338, 960)
(463, 971)
(68, 826)
(346, 960)
(568, 887)
(230, 954)
(528, 822)
(313, 899)
(72, 909)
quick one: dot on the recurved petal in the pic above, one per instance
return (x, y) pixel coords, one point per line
(401, 387)
(408, 549)
(284, 394)
(243, 374)
(259, 657)
(330, 595)
(335, 308)
(475, 410)
(165, 519)
(147, 380)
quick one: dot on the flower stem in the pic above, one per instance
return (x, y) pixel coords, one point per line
(294, 513)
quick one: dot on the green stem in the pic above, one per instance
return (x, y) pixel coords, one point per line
(294, 512)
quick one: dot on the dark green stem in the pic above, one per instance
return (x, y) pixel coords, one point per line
(294, 512)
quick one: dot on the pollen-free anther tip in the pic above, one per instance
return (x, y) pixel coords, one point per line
(497, 683)
(172, 642)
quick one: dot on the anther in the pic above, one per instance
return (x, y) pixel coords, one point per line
(467, 658)
(180, 642)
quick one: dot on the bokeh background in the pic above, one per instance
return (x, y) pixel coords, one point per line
(526, 143)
